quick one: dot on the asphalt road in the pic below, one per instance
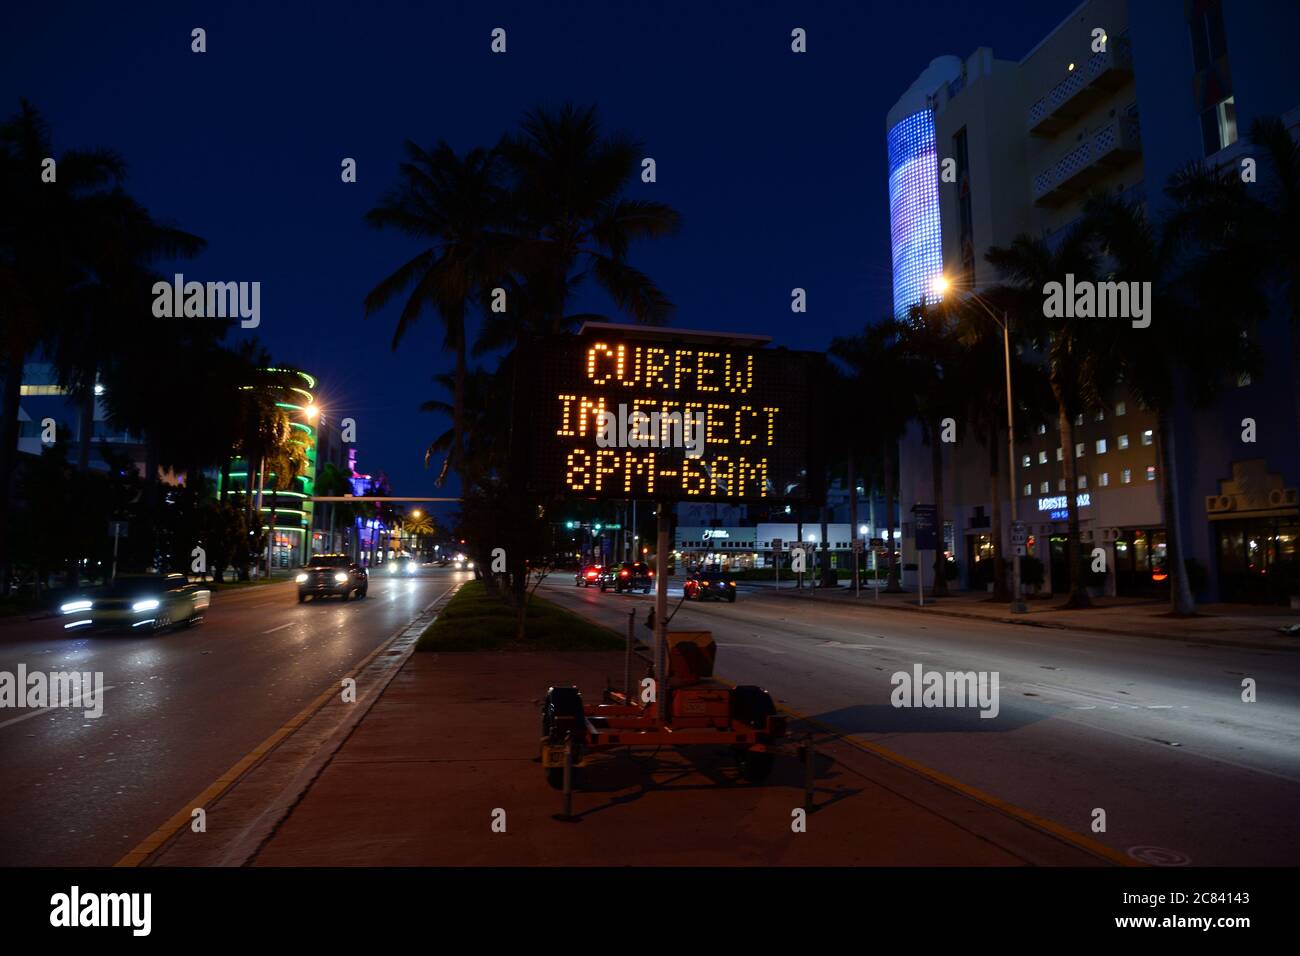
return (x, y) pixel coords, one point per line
(182, 708)
(1154, 732)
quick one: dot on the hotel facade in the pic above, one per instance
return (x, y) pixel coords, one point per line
(1176, 81)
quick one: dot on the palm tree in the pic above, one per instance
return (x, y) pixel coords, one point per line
(875, 361)
(286, 461)
(42, 266)
(456, 205)
(1207, 296)
(568, 183)
(1277, 218)
(1064, 344)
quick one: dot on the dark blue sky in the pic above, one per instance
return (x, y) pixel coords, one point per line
(776, 161)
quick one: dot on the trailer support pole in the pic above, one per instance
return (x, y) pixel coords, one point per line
(661, 612)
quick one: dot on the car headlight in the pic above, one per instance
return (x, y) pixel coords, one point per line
(149, 604)
(73, 606)
(301, 579)
(469, 564)
(340, 577)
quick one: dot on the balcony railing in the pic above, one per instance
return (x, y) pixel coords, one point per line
(1102, 152)
(1069, 99)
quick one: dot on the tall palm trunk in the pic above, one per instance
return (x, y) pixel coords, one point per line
(1078, 596)
(891, 495)
(799, 535)
(1180, 592)
(13, 377)
(940, 588)
(853, 513)
(1001, 592)
(87, 429)
(827, 576)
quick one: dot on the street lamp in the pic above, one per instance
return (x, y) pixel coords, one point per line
(941, 285)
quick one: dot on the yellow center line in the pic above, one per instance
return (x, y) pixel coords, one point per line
(942, 779)
(181, 817)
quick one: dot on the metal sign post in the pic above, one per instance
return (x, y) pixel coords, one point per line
(777, 544)
(927, 539)
(857, 557)
(661, 612)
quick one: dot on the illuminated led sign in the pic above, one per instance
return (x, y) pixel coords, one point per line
(1059, 505)
(914, 224)
(644, 415)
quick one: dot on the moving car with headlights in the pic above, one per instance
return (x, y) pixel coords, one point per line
(706, 585)
(327, 574)
(140, 601)
(587, 576)
(628, 576)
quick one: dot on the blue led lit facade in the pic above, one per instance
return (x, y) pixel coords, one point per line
(915, 237)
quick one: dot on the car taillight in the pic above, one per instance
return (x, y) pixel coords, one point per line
(623, 574)
(651, 573)
(591, 574)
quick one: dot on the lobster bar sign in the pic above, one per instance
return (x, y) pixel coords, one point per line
(663, 415)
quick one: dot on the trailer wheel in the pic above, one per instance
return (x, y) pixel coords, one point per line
(755, 765)
(751, 705)
(562, 713)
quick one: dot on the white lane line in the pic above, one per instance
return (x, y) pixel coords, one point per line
(280, 628)
(46, 710)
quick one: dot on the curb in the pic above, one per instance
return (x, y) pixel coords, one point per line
(1052, 625)
(164, 834)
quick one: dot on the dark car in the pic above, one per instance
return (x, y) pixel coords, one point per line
(134, 601)
(587, 576)
(705, 585)
(628, 576)
(328, 574)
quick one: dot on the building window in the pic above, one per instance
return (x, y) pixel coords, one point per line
(1045, 487)
(1081, 482)
(1060, 484)
(1042, 457)
(1219, 126)
(1025, 461)
(1148, 437)
(1243, 379)
(1078, 449)
(1029, 490)
(1101, 416)
(1078, 419)
(1120, 409)
(1042, 429)
(1104, 479)
(1126, 476)
(1121, 442)
(1151, 472)
(1059, 456)
(1101, 446)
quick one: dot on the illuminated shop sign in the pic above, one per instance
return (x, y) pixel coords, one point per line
(1059, 506)
(615, 415)
(716, 533)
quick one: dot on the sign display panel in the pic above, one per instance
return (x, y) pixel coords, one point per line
(619, 415)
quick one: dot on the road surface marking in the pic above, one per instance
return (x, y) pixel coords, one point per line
(1040, 823)
(280, 628)
(146, 847)
(46, 710)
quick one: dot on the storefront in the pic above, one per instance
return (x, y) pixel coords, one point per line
(1256, 525)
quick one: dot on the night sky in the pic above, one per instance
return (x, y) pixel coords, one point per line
(776, 161)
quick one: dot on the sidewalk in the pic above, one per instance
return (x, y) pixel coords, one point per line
(452, 744)
(1232, 625)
